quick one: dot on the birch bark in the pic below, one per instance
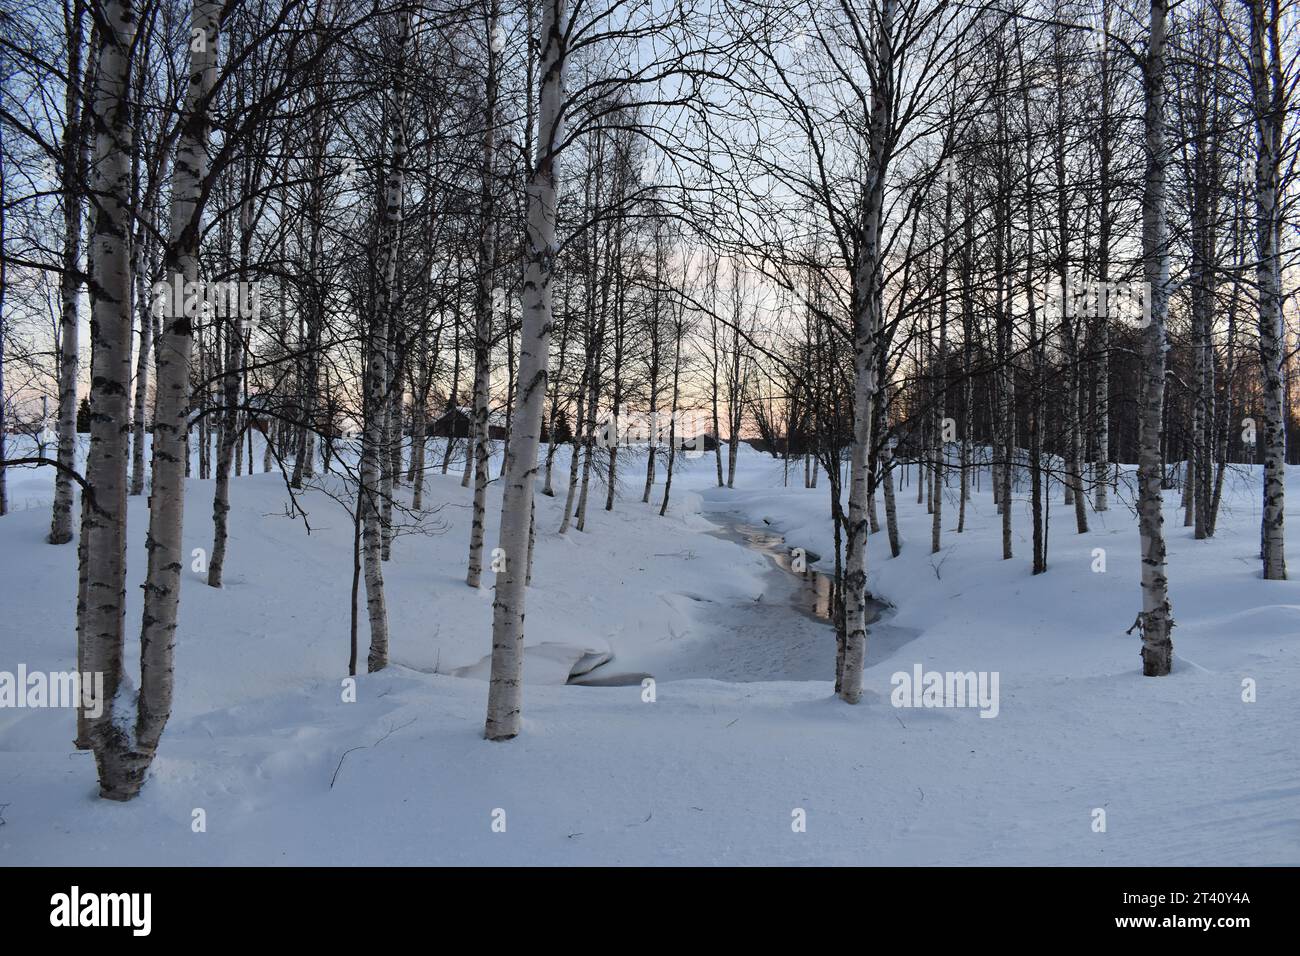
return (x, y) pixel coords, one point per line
(506, 682)
(70, 284)
(485, 304)
(124, 754)
(101, 607)
(867, 293)
(1268, 109)
(1156, 618)
(375, 431)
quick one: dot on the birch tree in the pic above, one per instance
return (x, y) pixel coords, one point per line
(485, 303)
(123, 752)
(867, 321)
(1155, 622)
(373, 447)
(1269, 108)
(101, 598)
(505, 689)
(72, 175)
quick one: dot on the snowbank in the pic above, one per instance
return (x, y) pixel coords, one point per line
(709, 770)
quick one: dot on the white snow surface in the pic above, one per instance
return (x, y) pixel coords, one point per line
(744, 729)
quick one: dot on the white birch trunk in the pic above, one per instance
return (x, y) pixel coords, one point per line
(1268, 108)
(1156, 619)
(868, 289)
(101, 607)
(70, 289)
(138, 430)
(506, 684)
(373, 449)
(575, 449)
(484, 307)
(124, 756)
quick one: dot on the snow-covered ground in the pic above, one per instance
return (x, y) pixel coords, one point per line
(743, 739)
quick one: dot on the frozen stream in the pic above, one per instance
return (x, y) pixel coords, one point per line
(782, 634)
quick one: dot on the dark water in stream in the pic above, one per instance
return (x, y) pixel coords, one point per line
(813, 596)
